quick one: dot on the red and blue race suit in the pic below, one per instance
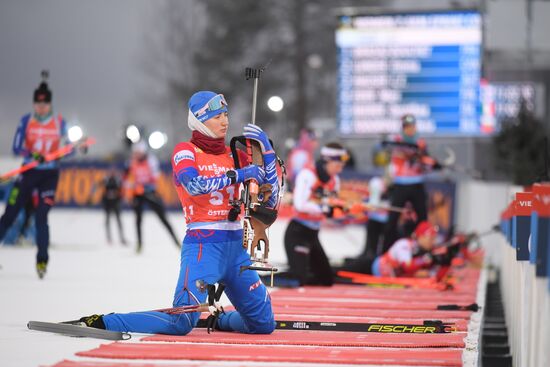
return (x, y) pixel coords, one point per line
(212, 250)
(39, 137)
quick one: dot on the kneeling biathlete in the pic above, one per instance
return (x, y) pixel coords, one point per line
(212, 249)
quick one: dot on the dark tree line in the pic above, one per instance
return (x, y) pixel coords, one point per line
(206, 44)
(521, 148)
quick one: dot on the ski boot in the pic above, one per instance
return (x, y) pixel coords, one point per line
(41, 268)
(95, 321)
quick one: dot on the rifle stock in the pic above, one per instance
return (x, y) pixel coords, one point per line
(257, 217)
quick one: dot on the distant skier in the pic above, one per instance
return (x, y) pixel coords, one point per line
(111, 198)
(38, 134)
(140, 184)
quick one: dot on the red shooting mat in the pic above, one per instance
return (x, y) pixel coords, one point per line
(366, 305)
(461, 278)
(348, 303)
(259, 353)
(344, 311)
(359, 304)
(449, 297)
(316, 338)
(415, 291)
(67, 363)
(414, 283)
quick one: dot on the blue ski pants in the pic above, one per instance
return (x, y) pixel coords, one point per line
(208, 257)
(45, 181)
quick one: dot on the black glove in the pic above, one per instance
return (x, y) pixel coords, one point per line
(214, 296)
(442, 259)
(328, 211)
(437, 166)
(38, 157)
(445, 258)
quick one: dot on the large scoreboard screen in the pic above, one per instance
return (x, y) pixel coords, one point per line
(424, 64)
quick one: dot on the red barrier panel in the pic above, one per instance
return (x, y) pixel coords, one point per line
(365, 304)
(363, 293)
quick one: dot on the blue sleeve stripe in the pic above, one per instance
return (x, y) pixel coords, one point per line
(199, 185)
(272, 179)
(19, 138)
(63, 129)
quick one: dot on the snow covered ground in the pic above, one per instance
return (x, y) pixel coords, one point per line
(86, 275)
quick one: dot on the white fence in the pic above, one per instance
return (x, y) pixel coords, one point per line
(526, 296)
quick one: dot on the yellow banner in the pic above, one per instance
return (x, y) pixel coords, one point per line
(81, 186)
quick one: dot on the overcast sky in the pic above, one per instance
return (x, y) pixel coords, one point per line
(92, 49)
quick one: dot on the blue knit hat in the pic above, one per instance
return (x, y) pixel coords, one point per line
(205, 104)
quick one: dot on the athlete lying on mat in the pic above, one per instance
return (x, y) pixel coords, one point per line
(408, 255)
(419, 254)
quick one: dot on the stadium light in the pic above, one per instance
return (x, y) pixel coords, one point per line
(132, 133)
(275, 103)
(74, 133)
(315, 61)
(157, 139)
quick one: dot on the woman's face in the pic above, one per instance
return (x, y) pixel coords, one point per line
(334, 167)
(409, 130)
(426, 242)
(42, 109)
(218, 124)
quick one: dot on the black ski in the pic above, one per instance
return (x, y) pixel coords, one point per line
(474, 307)
(77, 330)
(428, 327)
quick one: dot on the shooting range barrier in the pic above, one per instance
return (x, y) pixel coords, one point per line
(524, 268)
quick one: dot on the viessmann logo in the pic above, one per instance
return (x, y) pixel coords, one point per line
(183, 154)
